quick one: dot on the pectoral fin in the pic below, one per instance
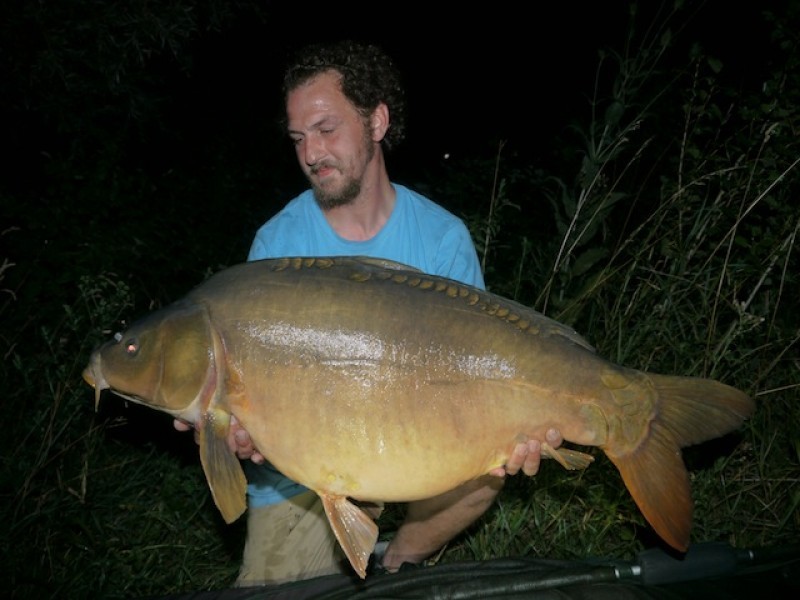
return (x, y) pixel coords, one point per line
(222, 468)
(355, 530)
(569, 459)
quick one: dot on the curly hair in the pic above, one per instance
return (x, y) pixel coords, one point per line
(368, 78)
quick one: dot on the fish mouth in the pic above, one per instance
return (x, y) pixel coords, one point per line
(93, 375)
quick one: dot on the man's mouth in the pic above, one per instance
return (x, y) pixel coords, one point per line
(323, 171)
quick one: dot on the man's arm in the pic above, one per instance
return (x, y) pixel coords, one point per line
(433, 522)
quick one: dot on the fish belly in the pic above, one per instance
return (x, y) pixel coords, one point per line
(393, 443)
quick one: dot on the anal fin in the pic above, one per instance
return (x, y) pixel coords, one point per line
(569, 459)
(354, 529)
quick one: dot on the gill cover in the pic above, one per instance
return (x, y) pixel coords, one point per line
(165, 361)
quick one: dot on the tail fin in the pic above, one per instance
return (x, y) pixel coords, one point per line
(690, 411)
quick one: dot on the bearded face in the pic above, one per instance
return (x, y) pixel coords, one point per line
(334, 142)
(338, 182)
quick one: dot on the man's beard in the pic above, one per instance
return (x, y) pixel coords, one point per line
(328, 200)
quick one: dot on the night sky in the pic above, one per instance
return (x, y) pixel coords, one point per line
(472, 78)
(207, 111)
(520, 72)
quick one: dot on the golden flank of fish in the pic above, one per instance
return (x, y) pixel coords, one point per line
(410, 384)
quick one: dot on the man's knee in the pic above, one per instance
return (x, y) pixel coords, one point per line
(288, 541)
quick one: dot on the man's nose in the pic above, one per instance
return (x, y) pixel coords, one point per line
(313, 150)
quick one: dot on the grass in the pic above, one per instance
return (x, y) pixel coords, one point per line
(676, 260)
(670, 243)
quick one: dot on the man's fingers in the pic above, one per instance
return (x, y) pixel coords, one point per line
(242, 438)
(239, 440)
(553, 437)
(498, 472)
(532, 458)
(242, 444)
(518, 458)
(515, 462)
(181, 425)
(527, 456)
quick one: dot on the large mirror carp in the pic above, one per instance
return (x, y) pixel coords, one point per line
(367, 380)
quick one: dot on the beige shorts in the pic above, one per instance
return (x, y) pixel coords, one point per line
(289, 541)
(293, 540)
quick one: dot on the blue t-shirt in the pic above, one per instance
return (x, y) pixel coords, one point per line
(418, 233)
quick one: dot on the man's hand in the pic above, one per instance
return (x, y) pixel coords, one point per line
(527, 456)
(238, 440)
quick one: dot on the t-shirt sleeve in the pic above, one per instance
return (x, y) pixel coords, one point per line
(270, 240)
(458, 257)
(258, 249)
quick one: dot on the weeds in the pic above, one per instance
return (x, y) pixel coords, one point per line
(684, 267)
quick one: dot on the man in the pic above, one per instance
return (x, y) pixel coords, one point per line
(344, 107)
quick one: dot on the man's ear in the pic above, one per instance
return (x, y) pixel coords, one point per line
(379, 122)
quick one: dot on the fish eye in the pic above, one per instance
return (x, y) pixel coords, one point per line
(132, 347)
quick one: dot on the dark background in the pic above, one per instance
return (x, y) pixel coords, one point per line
(512, 71)
(142, 124)
(506, 71)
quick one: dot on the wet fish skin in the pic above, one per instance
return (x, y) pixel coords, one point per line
(364, 379)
